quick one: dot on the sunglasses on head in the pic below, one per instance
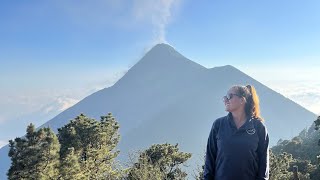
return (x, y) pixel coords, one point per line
(229, 96)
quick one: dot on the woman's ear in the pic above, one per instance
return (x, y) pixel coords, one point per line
(243, 100)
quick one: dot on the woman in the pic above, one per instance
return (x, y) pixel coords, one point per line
(238, 144)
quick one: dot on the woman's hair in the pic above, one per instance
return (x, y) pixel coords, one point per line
(252, 108)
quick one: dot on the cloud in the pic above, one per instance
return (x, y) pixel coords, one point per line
(158, 13)
(3, 143)
(59, 104)
(305, 93)
(66, 103)
(17, 105)
(123, 14)
(310, 100)
(150, 16)
(297, 81)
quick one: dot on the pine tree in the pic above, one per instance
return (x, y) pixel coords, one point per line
(279, 166)
(200, 174)
(36, 156)
(316, 173)
(70, 167)
(282, 167)
(144, 170)
(162, 161)
(94, 144)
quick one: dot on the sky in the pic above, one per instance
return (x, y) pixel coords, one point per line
(55, 53)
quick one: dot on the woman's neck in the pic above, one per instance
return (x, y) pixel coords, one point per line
(239, 116)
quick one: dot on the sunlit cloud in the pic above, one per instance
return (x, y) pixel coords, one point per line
(60, 104)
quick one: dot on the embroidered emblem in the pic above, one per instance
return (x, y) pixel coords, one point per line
(251, 131)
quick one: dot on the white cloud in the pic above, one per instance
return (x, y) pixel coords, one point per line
(305, 93)
(20, 104)
(156, 12)
(123, 14)
(58, 105)
(65, 103)
(299, 81)
(3, 143)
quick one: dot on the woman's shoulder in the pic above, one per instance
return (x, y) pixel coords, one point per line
(223, 118)
(219, 121)
(259, 123)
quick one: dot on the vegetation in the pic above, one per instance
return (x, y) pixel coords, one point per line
(86, 149)
(36, 156)
(160, 161)
(301, 151)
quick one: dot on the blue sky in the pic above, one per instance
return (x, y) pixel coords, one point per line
(61, 51)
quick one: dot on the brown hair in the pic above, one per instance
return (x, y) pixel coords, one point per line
(252, 108)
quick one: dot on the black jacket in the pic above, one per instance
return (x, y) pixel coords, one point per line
(241, 154)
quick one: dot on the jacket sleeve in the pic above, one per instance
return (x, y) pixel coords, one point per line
(209, 167)
(263, 154)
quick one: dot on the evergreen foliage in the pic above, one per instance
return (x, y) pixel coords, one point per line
(93, 143)
(86, 149)
(161, 161)
(304, 151)
(35, 156)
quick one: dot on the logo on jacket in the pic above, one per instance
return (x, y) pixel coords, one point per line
(251, 131)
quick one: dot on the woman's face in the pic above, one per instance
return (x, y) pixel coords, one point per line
(232, 100)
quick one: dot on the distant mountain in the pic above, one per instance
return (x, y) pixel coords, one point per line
(166, 97)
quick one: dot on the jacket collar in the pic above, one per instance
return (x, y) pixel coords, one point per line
(247, 125)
